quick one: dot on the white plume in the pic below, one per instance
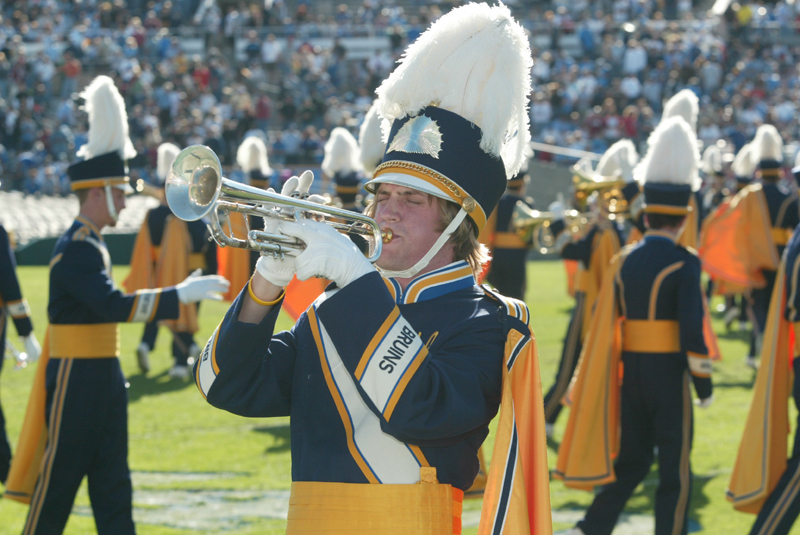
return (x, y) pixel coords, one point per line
(767, 145)
(684, 104)
(619, 159)
(341, 153)
(108, 120)
(474, 61)
(370, 139)
(672, 155)
(712, 160)
(167, 152)
(744, 163)
(585, 166)
(252, 155)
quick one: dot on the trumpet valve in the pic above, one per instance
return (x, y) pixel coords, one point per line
(387, 235)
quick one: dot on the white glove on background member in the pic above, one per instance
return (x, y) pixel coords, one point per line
(197, 287)
(32, 347)
(328, 254)
(557, 207)
(275, 270)
(705, 402)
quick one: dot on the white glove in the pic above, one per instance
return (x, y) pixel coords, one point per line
(197, 287)
(32, 347)
(705, 402)
(557, 207)
(327, 254)
(279, 271)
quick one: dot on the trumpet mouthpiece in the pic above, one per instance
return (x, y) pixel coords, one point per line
(387, 235)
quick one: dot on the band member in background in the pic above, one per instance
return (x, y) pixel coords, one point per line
(653, 288)
(593, 251)
(168, 249)
(76, 423)
(370, 140)
(509, 247)
(395, 410)
(13, 304)
(342, 165)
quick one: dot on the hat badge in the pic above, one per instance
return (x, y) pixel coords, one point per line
(420, 135)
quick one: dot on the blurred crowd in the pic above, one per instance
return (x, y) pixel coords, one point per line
(601, 72)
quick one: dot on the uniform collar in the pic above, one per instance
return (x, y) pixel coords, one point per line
(86, 223)
(453, 277)
(659, 234)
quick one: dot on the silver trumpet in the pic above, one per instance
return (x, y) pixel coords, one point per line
(195, 188)
(20, 357)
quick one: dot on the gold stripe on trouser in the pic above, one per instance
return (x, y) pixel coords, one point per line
(197, 261)
(563, 379)
(786, 499)
(686, 446)
(651, 336)
(84, 341)
(508, 240)
(53, 434)
(345, 508)
(780, 236)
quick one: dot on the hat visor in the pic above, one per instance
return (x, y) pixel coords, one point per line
(400, 179)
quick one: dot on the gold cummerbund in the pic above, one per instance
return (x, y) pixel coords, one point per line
(780, 236)
(197, 261)
(508, 240)
(84, 341)
(651, 336)
(345, 508)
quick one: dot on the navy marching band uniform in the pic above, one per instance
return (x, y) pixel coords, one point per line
(347, 186)
(13, 304)
(507, 272)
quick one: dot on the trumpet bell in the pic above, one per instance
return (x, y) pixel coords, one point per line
(193, 183)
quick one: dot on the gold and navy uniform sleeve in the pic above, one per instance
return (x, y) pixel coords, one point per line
(82, 291)
(10, 294)
(424, 390)
(690, 319)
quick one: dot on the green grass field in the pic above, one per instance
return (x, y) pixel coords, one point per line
(197, 466)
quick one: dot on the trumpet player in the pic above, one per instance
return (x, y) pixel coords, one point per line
(392, 376)
(13, 304)
(76, 423)
(593, 251)
(166, 250)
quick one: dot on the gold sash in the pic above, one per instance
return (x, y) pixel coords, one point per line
(346, 508)
(84, 341)
(651, 336)
(508, 240)
(781, 235)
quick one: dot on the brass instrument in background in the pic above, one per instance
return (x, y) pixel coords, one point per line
(145, 188)
(195, 188)
(533, 225)
(608, 188)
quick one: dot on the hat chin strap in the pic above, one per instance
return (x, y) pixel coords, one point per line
(112, 210)
(423, 262)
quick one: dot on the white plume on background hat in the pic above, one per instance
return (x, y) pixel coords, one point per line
(108, 120)
(370, 139)
(712, 160)
(454, 65)
(619, 159)
(167, 152)
(252, 155)
(767, 144)
(684, 104)
(744, 163)
(672, 155)
(341, 153)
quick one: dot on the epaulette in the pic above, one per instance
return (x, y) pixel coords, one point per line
(81, 234)
(514, 307)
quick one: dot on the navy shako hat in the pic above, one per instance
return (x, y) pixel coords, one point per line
(107, 169)
(630, 191)
(668, 172)
(455, 111)
(347, 186)
(438, 152)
